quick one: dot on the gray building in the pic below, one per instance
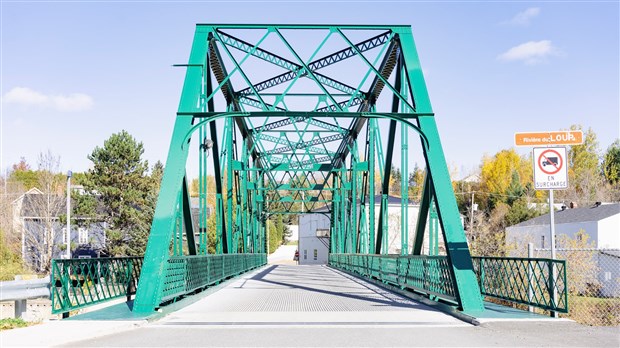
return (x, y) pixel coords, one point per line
(36, 216)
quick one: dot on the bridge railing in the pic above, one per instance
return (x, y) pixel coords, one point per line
(526, 281)
(186, 274)
(519, 280)
(426, 274)
(78, 283)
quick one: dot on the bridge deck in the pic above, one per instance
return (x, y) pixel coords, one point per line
(306, 295)
(308, 306)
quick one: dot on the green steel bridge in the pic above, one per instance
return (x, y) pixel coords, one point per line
(288, 119)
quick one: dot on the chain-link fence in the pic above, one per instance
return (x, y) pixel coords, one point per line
(593, 279)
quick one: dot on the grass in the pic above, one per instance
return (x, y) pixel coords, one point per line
(12, 323)
(292, 242)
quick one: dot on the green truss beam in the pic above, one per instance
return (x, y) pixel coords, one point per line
(314, 160)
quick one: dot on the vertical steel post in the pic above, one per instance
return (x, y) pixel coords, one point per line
(462, 269)
(202, 206)
(188, 222)
(427, 196)
(530, 275)
(228, 130)
(354, 227)
(404, 201)
(371, 184)
(149, 293)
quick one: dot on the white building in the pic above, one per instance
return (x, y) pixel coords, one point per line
(314, 237)
(314, 229)
(600, 222)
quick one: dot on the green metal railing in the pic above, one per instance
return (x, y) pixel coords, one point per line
(78, 283)
(524, 280)
(519, 280)
(186, 274)
(426, 274)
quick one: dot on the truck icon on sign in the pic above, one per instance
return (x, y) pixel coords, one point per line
(550, 161)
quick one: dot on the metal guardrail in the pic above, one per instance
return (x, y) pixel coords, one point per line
(520, 280)
(16, 290)
(527, 281)
(426, 274)
(22, 290)
(78, 283)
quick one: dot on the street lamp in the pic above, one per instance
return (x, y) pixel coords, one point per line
(69, 174)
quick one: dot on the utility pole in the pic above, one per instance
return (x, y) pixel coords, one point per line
(471, 218)
(69, 174)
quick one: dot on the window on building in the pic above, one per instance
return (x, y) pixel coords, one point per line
(316, 254)
(305, 254)
(320, 232)
(82, 235)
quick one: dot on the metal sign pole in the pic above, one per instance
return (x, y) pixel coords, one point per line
(552, 228)
(530, 275)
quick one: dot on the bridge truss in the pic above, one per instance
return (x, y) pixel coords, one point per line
(299, 117)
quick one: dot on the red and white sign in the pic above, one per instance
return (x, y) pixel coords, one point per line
(550, 168)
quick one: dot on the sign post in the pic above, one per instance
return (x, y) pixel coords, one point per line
(550, 173)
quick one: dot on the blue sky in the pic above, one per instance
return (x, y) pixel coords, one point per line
(73, 73)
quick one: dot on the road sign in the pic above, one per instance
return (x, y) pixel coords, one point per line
(550, 168)
(549, 138)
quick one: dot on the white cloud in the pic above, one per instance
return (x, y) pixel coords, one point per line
(532, 52)
(73, 102)
(524, 18)
(27, 96)
(22, 95)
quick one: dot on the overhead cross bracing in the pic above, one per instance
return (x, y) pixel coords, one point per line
(287, 119)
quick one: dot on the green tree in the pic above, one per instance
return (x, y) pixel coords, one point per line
(10, 262)
(119, 177)
(23, 175)
(416, 183)
(610, 167)
(395, 181)
(585, 180)
(274, 238)
(611, 163)
(503, 175)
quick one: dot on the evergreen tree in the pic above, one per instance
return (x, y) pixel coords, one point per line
(611, 163)
(119, 177)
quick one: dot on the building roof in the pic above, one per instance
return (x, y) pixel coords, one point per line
(586, 214)
(35, 204)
